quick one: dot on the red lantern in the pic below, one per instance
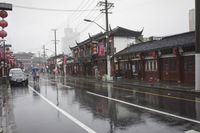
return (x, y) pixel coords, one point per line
(3, 14)
(7, 49)
(3, 23)
(3, 33)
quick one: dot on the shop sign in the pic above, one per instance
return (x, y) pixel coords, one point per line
(101, 47)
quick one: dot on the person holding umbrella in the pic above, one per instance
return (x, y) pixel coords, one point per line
(35, 73)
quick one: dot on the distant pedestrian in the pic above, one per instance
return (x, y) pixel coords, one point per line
(35, 74)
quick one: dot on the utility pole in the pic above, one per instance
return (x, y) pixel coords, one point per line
(55, 42)
(39, 58)
(44, 58)
(64, 65)
(4, 59)
(107, 43)
(197, 50)
(108, 47)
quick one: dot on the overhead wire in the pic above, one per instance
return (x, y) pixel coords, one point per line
(79, 15)
(54, 10)
(81, 6)
(90, 15)
(88, 25)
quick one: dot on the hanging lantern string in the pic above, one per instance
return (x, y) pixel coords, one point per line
(3, 23)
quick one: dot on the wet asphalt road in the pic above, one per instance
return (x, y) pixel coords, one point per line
(78, 105)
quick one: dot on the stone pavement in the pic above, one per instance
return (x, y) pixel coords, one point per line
(7, 123)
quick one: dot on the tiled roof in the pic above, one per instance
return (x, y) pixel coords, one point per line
(179, 40)
(120, 31)
(91, 38)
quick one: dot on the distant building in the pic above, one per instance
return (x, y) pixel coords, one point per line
(25, 59)
(192, 20)
(89, 56)
(171, 58)
(69, 39)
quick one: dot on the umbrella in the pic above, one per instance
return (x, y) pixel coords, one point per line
(35, 69)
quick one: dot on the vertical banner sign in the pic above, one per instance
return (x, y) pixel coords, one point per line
(101, 51)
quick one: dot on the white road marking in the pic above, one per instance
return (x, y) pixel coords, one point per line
(66, 86)
(145, 108)
(192, 131)
(58, 82)
(89, 130)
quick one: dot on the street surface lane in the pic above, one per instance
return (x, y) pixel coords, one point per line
(101, 114)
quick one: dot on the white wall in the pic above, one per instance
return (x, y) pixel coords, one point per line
(121, 42)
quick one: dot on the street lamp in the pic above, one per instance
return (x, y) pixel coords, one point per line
(50, 50)
(90, 21)
(107, 47)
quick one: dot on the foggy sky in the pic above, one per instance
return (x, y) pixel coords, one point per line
(29, 29)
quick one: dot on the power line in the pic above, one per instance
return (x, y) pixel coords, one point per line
(76, 17)
(90, 15)
(88, 25)
(81, 6)
(55, 10)
(87, 5)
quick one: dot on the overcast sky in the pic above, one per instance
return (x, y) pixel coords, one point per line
(29, 29)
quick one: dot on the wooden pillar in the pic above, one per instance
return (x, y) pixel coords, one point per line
(159, 68)
(131, 70)
(178, 68)
(142, 65)
(119, 69)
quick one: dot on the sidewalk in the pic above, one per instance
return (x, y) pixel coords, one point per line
(171, 86)
(6, 108)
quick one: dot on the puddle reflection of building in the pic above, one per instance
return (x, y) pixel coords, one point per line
(197, 109)
(117, 115)
(120, 115)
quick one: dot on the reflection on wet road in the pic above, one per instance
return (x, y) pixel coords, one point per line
(103, 115)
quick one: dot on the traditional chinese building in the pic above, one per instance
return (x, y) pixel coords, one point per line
(171, 58)
(90, 54)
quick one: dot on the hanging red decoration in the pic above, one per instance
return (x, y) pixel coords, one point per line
(3, 14)
(7, 49)
(3, 23)
(3, 33)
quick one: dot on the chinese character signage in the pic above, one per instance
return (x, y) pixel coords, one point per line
(101, 51)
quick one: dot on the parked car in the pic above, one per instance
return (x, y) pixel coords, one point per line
(18, 77)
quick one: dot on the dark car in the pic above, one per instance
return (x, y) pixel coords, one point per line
(18, 77)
